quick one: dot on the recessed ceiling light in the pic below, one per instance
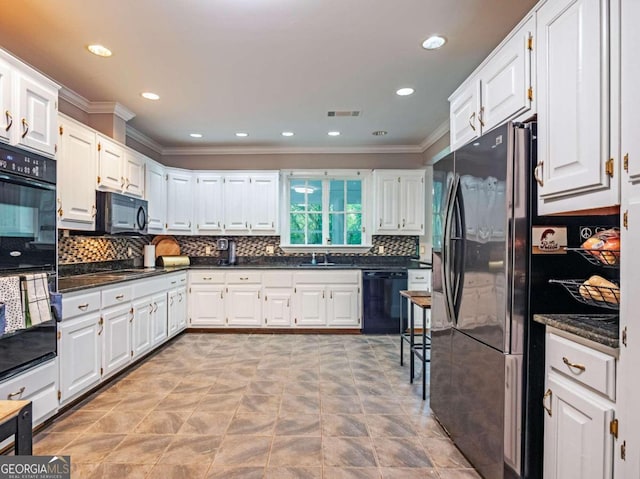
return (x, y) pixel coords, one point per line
(334, 133)
(195, 135)
(405, 91)
(379, 133)
(242, 134)
(434, 42)
(99, 50)
(287, 133)
(150, 96)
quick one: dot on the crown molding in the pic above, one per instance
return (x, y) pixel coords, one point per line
(95, 107)
(144, 140)
(435, 135)
(199, 151)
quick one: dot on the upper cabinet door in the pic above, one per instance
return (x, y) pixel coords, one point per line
(464, 110)
(110, 159)
(37, 116)
(264, 203)
(387, 202)
(236, 189)
(6, 108)
(573, 106)
(156, 195)
(133, 173)
(506, 78)
(76, 170)
(179, 201)
(208, 205)
(412, 204)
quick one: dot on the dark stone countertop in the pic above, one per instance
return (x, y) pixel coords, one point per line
(76, 282)
(600, 328)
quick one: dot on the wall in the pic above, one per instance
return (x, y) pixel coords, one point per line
(88, 249)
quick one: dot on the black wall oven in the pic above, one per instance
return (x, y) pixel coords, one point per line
(27, 246)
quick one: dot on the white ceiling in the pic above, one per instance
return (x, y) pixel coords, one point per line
(264, 66)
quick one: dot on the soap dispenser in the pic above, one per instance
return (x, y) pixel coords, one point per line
(313, 258)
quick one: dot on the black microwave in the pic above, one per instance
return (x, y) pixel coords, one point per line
(120, 214)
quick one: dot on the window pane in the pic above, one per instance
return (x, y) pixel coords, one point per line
(336, 228)
(336, 195)
(314, 195)
(354, 238)
(354, 195)
(354, 228)
(297, 238)
(297, 198)
(315, 238)
(298, 222)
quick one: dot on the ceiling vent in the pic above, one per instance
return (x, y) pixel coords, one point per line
(343, 113)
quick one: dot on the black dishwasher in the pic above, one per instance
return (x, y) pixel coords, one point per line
(382, 304)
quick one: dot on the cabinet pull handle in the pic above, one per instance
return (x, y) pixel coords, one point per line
(100, 323)
(83, 307)
(537, 175)
(473, 116)
(288, 302)
(9, 117)
(480, 116)
(17, 393)
(404, 222)
(122, 182)
(331, 295)
(380, 226)
(180, 300)
(207, 278)
(120, 297)
(243, 279)
(94, 211)
(548, 394)
(580, 367)
(419, 277)
(258, 294)
(150, 308)
(221, 297)
(170, 300)
(25, 126)
(155, 306)
(59, 210)
(323, 295)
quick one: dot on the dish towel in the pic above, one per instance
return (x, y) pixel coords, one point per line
(35, 292)
(10, 296)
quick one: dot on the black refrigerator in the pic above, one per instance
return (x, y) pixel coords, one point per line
(487, 355)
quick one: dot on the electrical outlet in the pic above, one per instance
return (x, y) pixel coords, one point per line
(129, 252)
(422, 249)
(65, 233)
(270, 249)
(380, 249)
(207, 250)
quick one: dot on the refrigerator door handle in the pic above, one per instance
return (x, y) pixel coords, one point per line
(458, 248)
(450, 249)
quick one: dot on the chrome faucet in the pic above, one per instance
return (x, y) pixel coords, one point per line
(326, 257)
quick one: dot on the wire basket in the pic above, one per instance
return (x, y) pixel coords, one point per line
(603, 258)
(600, 296)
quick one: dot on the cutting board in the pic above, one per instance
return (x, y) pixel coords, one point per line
(166, 246)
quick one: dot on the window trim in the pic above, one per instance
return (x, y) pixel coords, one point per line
(285, 232)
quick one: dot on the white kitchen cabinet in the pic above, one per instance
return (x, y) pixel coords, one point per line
(159, 322)
(464, 106)
(110, 165)
(206, 305)
(156, 195)
(6, 119)
(141, 333)
(578, 167)
(311, 305)
(76, 170)
(277, 307)
(117, 338)
(236, 203)
(343, 306)
(179, 201)
(577, 443)
(177, 310)
(29, 106)
(579, 385)
(264, 194)
(80, 352)
(501, 88)
(209, 212)
(242, 305)
(133, 167)
(399, 200)
(628, 386)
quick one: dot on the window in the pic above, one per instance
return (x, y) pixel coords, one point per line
(325, 211)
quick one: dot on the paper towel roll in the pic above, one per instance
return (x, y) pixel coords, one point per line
(149, 256)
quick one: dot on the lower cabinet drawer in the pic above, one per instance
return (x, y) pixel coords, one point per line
(38, 385)
(78, 304)
(582, 364)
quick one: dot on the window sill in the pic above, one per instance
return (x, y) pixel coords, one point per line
(320, 248)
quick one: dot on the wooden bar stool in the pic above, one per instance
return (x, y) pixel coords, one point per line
(15, 420)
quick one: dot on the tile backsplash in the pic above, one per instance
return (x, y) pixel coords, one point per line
(87, 249)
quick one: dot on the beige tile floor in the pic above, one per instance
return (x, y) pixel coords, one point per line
(259, 406)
